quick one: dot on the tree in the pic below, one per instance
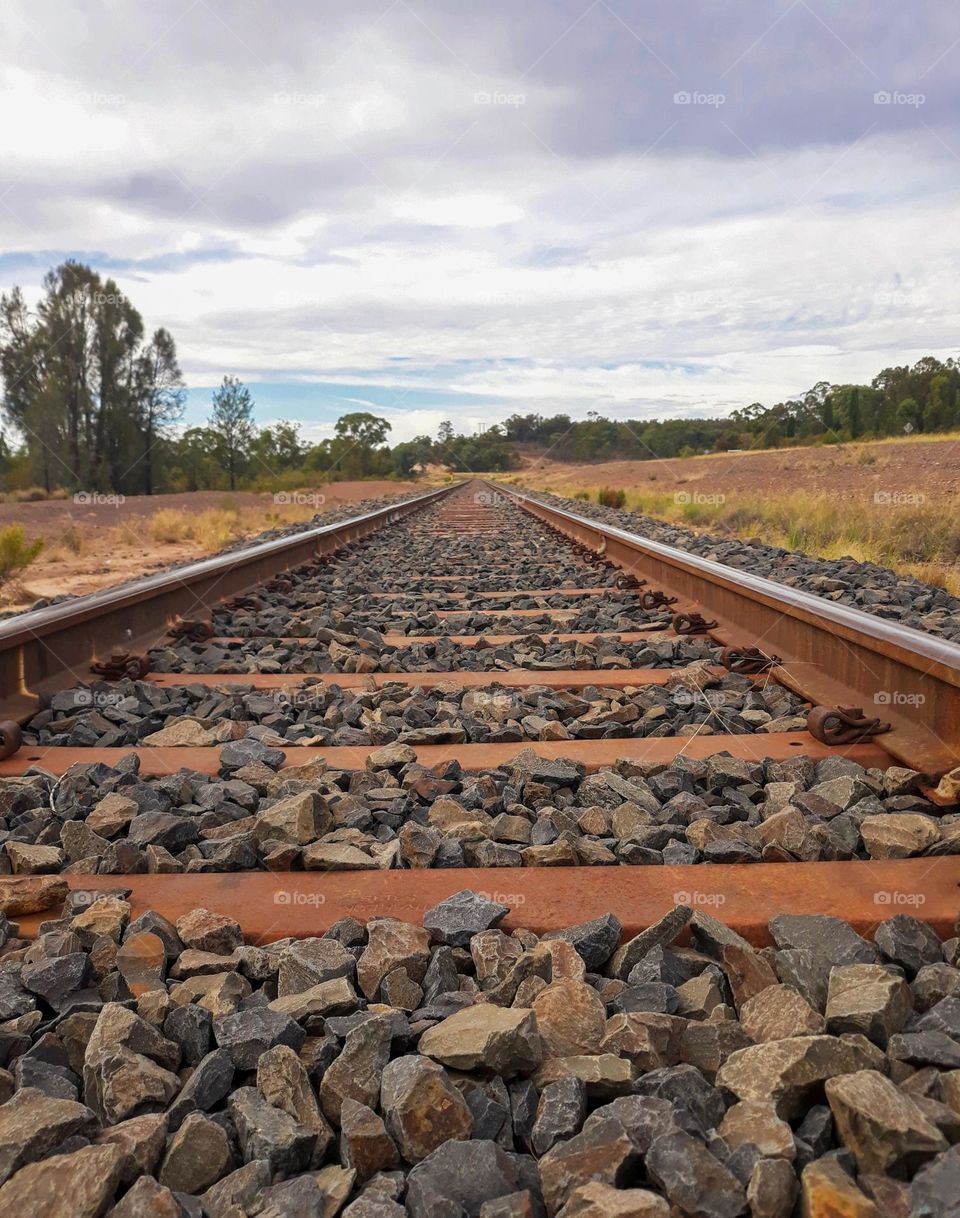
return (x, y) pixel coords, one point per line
(160, 397)
(231, 420)
(445, 432)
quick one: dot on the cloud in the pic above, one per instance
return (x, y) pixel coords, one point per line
(458, 212)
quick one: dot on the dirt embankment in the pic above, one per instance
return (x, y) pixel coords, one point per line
(860, 471)
(101, 540)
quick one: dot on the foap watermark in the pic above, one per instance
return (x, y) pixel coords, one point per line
(288, 699)
(498, 97)
(299, 499)
(686, 97)
(897, 697)
(896, 298)
(699, 898)
(512, 899)
(88, 97)
(693, 302)
(98, 499)
(681, 498)
(312, 101)
(899, 498)
(896, 97)
(489, 498)
(887, 896)
(296, 896)
(96, 699)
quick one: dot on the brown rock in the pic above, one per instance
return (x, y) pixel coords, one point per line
(78, 1185)
(605, 1075)
(365, 1145)
(106, 916)
(198, 1155)
(787, 1072)
(773, 1189)
(111, 815)
(571, 1018)
(283, 1081)
(357, 1071)
(650, 1040)
(392, 944)
(31, 895)
(209, 932)
(297, 820)
(886, 1131)
(147, 1199)
(32, 1124)
(604, 1153)
(141, 1139)
(747, 972)
(422, 1107)
(828, 1192)
(598, 1200)
(778, 1012)
(756, 1123)
(866, 998)
(28, 859)
(505, 1040)
(898, 835)
(142, 963)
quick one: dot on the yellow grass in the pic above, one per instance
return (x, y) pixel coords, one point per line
(912, 538)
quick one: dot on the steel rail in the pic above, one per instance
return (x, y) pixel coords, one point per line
(54, 646)
(832, 655)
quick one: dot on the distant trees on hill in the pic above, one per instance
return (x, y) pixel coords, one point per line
(94, 403)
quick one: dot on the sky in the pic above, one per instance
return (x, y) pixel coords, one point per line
(439, 209)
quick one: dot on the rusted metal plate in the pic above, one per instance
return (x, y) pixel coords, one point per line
(595, 754)
(278, 905)
(838, 655)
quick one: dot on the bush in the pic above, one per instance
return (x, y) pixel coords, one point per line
(607, 497)
(16, 553)
(584, 495)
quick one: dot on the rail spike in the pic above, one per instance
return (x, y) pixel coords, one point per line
(655, 599)
(692, 623)
(748, 661)
(196, 630)
(121, 664)
(843, 725)
(11, 737)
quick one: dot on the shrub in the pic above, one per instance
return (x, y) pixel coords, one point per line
(584, 495)
(16, 553)
(608, 497)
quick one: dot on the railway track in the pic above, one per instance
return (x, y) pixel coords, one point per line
(474, 689)
(637, 655)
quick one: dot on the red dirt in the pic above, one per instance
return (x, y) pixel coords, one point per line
(102, 562)
(856, 471)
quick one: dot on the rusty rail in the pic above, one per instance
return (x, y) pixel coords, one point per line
(52, 647)
(831, 654)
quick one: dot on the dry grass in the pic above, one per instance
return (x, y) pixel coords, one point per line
(913, 538)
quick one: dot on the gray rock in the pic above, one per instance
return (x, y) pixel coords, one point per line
(264, 1132)
(458, 918)
(694, 1181)
(254, 1030)
(459, 1177)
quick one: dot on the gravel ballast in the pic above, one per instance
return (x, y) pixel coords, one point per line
(460, 1069)
(396, 813)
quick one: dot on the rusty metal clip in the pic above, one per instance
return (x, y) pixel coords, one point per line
(197, 631)
(750, 661)
(11, 737)
(244, 602)
(843, 725)
(121, 664)
(278, 585)
(656, 600)
(691, 623)
(629, 581)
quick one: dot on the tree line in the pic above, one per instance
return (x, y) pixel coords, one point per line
(94, 403)
(923, 399)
